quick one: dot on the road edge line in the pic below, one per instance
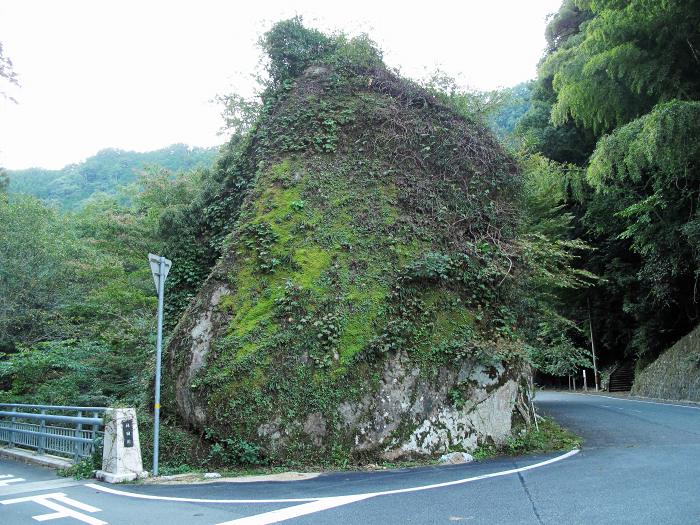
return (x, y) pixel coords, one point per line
(636, 400)
(483, 476)
(368, 494)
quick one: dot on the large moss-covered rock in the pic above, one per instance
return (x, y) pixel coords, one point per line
(361, 307)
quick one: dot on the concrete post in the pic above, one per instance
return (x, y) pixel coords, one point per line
(121, 458)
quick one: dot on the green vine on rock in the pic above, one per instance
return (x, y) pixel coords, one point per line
(261, 239)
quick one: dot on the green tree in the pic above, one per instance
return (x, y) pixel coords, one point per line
(291, 48)
(78, 307)
(39, 260)
(627, 57)
(629, 70)
(4, 181)
(562, 142)
(516, 104)
(648, 171)
(554, 276)
(238, 113)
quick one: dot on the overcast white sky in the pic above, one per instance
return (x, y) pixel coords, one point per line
(139, 75)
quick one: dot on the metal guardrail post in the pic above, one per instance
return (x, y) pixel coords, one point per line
(78, 446)
(95, 428)
(13, 422)
(41, 449)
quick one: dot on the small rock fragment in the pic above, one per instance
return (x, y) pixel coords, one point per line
(455, 458)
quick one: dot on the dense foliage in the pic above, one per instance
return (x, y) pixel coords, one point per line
(514, 103)
(77, 299)
(617, 94)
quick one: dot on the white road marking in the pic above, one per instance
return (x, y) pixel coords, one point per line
(61, 511)
(317, 504)
(483, 476)
(194, 500)
(639, 401)
(39, 486)
(328, 503)
(288, 513)
(6, 479)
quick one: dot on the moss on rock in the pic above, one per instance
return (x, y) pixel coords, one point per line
(363, 282)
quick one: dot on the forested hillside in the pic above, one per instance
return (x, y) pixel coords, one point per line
(513, 104)
(104, 172)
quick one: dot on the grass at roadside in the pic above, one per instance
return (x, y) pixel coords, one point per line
(549, 437)
(84, 469)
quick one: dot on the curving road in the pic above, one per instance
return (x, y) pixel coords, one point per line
(640, 464)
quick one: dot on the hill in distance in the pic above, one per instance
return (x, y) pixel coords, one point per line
(104, 172)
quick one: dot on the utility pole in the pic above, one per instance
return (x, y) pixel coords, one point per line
(590, 329)
(159, 268)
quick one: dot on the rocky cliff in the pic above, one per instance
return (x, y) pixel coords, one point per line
(361, 307)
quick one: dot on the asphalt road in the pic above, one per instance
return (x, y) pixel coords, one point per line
(640, 464)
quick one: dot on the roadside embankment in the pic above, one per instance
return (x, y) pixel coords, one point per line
(675, 374)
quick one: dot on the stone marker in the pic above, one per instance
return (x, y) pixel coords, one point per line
(121, 458)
